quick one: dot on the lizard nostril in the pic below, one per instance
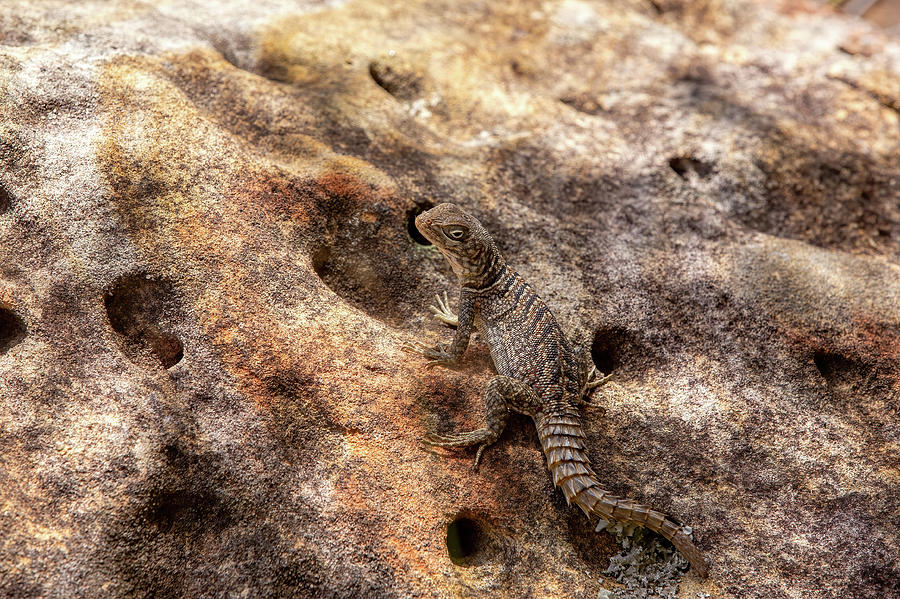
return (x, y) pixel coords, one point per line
(411, 228)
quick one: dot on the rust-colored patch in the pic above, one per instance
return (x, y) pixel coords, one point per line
(879, 341)
(348, 186)
(272, 195)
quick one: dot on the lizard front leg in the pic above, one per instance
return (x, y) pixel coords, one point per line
(595, 379)
(502, 395)
(590, 376)
(465, 325)
(443, 312)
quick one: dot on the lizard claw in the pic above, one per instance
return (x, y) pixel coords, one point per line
(481, 437)
(438, 355)
(460, 440)
(445, 362)
(443, 312)
(414, 347)
(596, 379)
(478, 453)
(437, 440)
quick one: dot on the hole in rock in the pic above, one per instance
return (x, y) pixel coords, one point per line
(603, 352)
(411, 224)
(586, 104)
(378, 74)
(464, 539)
(684, 165)
(185, 511)
(369, 277)
(624, 352)
(169, 349)
(141, 310)
(321, 262)
(5, 199)
(375, 264)
(833, 367)
(12, 329)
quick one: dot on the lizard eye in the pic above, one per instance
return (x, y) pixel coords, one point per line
(455, 232)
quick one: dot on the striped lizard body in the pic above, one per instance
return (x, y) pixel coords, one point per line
(540, 374)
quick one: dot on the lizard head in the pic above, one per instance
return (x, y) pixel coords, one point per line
(462, 240)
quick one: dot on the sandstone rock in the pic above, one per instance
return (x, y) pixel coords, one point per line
(207, 271)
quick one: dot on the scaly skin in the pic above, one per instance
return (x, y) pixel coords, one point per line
(540, 373)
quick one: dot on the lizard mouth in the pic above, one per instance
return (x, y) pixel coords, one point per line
(425, 228)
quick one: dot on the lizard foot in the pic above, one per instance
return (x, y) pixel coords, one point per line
(482, 437)
(438, 356)
(595, 379)
(443, 312)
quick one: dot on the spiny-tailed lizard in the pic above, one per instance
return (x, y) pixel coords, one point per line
(540, 373)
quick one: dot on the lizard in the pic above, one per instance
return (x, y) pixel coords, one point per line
(539, 371)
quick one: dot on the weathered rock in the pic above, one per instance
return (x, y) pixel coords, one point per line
(207, 273)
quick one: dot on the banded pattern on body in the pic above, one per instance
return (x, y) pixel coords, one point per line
(562, 439)
(540, 374)
(525, 340)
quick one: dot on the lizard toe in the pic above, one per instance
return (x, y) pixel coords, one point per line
(477, 461)
(439, 362)
(413, 347)
(437, 440)
(597, 382)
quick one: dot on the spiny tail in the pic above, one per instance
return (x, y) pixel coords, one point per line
(563, 440)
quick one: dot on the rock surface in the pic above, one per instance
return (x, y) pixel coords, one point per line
(207, 273)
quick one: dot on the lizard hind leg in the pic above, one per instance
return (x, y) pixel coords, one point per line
(502, 393)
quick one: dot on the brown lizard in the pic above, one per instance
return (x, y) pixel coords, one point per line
(540, 373)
